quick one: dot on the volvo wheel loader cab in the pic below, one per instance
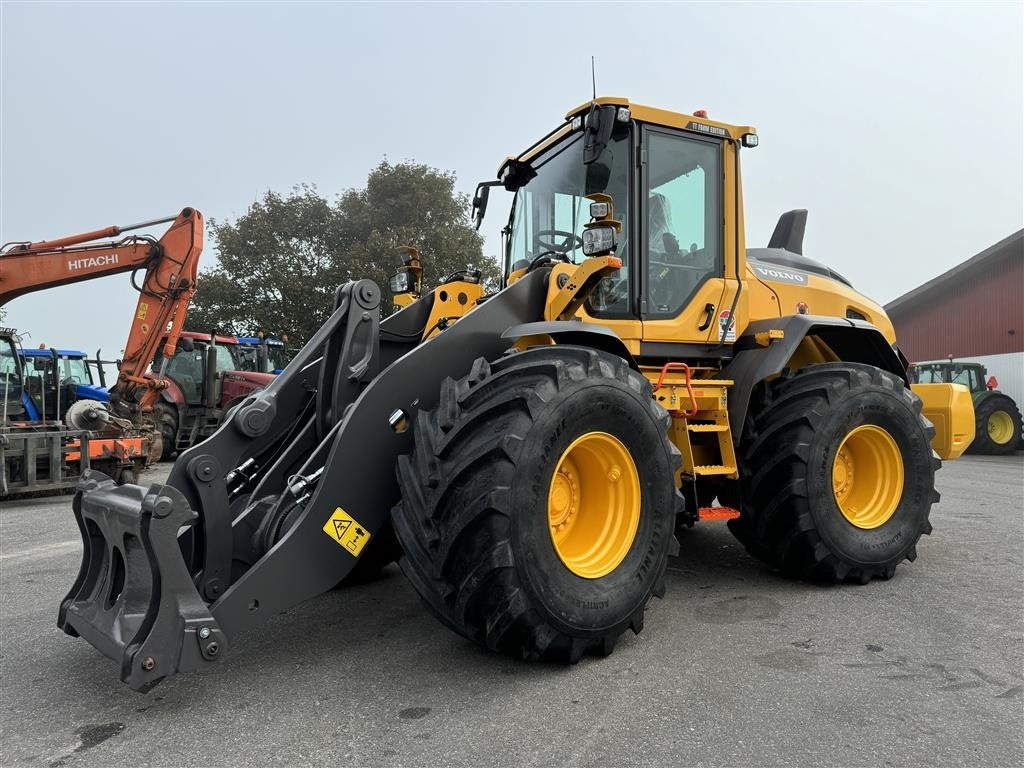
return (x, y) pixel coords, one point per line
(535, 451)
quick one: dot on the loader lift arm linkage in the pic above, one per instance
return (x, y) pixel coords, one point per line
(259, 484)
(170, 265)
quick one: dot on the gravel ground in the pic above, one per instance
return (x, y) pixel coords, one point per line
(736, 666)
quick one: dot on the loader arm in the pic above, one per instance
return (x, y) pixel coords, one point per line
(170, 265)
(277, 506)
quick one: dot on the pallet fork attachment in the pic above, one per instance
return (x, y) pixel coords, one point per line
(267, 512)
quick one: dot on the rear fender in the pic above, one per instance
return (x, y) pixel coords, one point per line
(760, 353)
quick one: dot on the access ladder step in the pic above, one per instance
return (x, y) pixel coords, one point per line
(713, 469)
(707, 427)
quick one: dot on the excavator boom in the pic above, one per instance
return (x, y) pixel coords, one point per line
(170, 265)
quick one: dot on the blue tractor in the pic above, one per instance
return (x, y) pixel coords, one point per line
(55, 378)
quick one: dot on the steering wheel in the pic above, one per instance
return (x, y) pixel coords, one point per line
(568, 240)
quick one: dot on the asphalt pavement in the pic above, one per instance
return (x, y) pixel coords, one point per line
(736, 667)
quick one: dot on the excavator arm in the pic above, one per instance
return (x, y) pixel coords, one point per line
(170, 265)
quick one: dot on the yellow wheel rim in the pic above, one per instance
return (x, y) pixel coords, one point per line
(867, 476)
(1000, 427)
(594, 505)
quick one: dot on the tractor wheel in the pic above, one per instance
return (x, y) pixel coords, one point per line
(838, 474)
(538, 506)
(997, 426)
(165, 417)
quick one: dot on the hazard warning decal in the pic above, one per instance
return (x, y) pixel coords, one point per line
(726, 327)
(344, 529)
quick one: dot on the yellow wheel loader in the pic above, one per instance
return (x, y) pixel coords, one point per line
(528, 455)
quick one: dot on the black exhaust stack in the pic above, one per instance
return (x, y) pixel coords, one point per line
(789, 232)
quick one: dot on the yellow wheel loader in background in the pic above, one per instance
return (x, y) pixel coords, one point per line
(530, 454)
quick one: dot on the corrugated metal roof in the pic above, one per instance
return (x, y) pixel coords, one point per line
(1008, 248)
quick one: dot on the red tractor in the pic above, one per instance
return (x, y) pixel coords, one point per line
(203, 383)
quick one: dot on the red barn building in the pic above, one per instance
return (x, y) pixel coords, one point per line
(975, 312)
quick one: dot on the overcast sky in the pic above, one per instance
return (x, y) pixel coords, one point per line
(899, 126)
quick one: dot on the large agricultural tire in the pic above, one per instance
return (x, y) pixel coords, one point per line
(997, 426)
(829, 438)
(535, 446)
(165, 418)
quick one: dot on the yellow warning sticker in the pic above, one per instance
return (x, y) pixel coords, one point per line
(345, 530)
(143, 311)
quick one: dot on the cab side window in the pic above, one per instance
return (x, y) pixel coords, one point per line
(684, 219)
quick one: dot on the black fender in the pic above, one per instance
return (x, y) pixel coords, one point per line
(576, 333)
(853, 341)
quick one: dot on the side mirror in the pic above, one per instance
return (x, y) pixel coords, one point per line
(483, 191)
(597, 132)
(597, 177)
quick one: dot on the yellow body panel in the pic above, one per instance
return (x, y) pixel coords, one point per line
(451, 301)
(403, 300)
(950, 408)
(821, 296)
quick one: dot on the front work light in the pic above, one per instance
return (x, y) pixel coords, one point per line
(598, 239)
(401, 282)
(599, 210)
(749, 139)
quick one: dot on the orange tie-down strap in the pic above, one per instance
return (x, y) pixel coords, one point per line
(718, 513)
(122, 449)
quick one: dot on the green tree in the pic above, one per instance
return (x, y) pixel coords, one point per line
(280, 263)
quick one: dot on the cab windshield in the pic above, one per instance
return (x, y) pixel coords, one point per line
(74, 369)
(550, 211)
(8, 361)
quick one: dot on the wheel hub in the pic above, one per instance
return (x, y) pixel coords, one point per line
(594, 505)
(867, 476)
(564, 500)
(1000, 427)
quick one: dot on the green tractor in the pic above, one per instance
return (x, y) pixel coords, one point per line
(997, 417)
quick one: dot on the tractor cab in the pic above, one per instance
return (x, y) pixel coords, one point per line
(974, 376)
(197, 369)
(14, 403)
(55, 378)
(205, 378)
(258, 353)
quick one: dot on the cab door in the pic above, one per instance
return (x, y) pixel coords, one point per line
(682, 242)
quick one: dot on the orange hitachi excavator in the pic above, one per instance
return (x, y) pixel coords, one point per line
(169, 266)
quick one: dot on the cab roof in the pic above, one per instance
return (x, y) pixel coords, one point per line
(652, 115)
(255, 341)
(48, 352)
